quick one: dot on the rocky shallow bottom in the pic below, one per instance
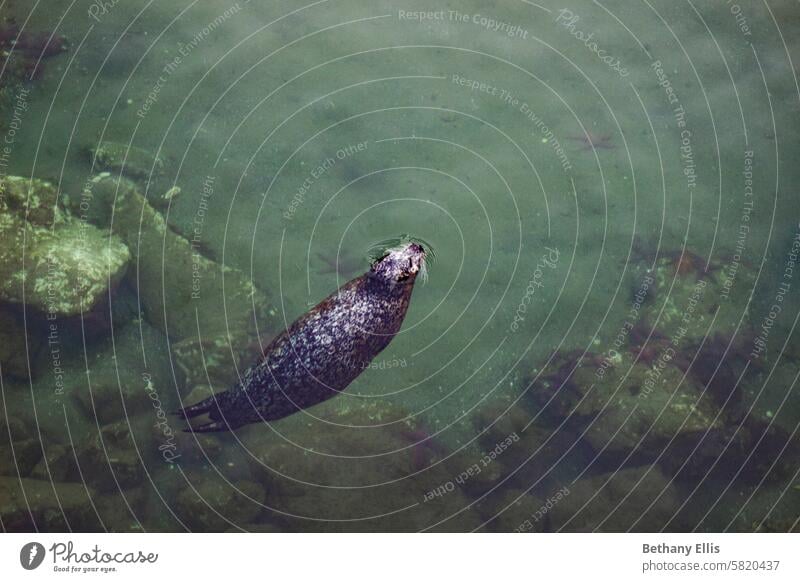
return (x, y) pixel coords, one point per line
(665, 431)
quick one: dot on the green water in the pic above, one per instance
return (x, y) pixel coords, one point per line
(546, 152)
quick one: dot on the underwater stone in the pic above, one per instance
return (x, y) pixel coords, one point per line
(58, 464)
(20, 457)
(257, 528)
(51, 261)
(512, 511)
(13, 352)
(675, 408)
(213, 359)
(195, 448)
(333, 470)
(617, 502)
(113, 458)
(14, 426)
(747, 450)
(688, 293)
(33, 505)
(176, 283)
(112, 399)
(214, 506)
(122, 511)
(131, 161)
(535, 454)
(635, 409)
(33, 200)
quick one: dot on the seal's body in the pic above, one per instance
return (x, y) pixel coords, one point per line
(322, 352)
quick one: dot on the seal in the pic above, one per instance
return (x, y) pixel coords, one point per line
(323, 351)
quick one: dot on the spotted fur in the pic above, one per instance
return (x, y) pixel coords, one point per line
(323, 351)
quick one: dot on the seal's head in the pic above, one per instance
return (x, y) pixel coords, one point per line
(400, 264)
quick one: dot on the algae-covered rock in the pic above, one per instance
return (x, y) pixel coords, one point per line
(110, 398)
(212, 505)
(35, 201)
(123, 511)
(650, 409)
(57, 464)
(50, 261)
(515, 447)
(257, 528)
(113, 458)
(13, 353)
(44, 506)
(188, 296)
(688, 293)
(14, 426)
(638, 499)
(19, 457)
(175, 282)
(514, 511)
(360, 467)
(213, 359)
(126, 159)
(635, 410)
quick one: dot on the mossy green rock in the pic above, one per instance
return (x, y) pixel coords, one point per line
(175, 283)
(635, 411)
(51, 261)
(356, 466)
(211, 505)
(639, 500)
(44, 506)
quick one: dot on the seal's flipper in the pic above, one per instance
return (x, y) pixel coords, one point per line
(210, 406)
(201, 407)
(215, 426)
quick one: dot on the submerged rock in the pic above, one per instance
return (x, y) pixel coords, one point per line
(687, 293)
(113, 458)
(514, 511)
(357, 466)
(122, 511)
(111, 397)
(14, 356)
(639, 499)
(57, 464)
(517, 448)
(53, 267)
(14, 426)
(126, 159)
(44, 506)
(694, 316)
(212, 505)
(18, 458)
(196, 301)
(50, 261)
(634, 412)
(213, 359)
